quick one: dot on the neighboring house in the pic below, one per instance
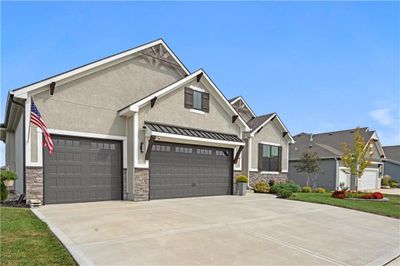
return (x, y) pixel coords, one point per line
(266, 154)
(392, 162)
(328, 146)
(136, 125)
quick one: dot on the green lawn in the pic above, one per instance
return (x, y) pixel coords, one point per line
(390, 208)
(26, 240)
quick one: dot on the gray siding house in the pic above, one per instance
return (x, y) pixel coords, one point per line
(392, 162)
(137, 125)
(328, 146)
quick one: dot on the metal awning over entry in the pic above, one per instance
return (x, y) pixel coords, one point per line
(192, 133)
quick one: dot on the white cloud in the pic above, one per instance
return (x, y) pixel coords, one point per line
(382, 116)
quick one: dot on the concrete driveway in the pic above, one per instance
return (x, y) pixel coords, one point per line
(227, 230)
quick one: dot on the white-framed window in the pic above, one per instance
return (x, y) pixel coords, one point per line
(197, 100)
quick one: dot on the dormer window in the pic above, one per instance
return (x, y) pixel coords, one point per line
(197, 100)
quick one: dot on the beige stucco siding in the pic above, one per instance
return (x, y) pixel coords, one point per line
(272, 134)
(90, 104)
(170, 109)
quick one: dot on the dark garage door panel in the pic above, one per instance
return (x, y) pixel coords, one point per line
(82, 170)
(178, 170)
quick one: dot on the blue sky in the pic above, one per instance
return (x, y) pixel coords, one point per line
(320, 66)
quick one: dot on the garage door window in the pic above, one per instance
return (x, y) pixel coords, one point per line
(221, 153)
(158, 147)
(204, 151)
(183, 150)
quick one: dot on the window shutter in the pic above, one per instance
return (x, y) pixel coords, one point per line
(280, 159)
(188, 98)
(205, 102)
(260, 157)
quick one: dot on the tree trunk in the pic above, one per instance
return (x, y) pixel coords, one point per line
(314, 184)
(353, 182)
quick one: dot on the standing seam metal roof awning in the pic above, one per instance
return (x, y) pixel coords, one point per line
(190, 132)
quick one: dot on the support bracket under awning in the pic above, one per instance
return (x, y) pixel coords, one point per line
(149, 147)
(236, 159)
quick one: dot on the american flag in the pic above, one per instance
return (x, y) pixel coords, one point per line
(36, 119)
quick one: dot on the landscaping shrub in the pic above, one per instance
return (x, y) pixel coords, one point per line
(377, 195)
(4, 191)
(320, 190)
(284, 193)
(8, 175)
(288, 186)
(385, 180)
(393, 183)
(339, 194)
(261, 187)
(306, 189)
(242, 179)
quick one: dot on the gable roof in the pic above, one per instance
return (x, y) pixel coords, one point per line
(21, 92)
(328, 144)
(392, 153)
(256, 122)
(134, 107)
(237, 98)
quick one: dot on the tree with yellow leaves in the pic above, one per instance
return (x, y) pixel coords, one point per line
(356, 159)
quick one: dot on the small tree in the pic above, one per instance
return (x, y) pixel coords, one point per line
(356, 159)
(309, 164)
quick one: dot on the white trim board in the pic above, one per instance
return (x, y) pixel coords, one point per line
(275, 115)
(39, 163)
(197, 111)
(22, 93)
(270, 143)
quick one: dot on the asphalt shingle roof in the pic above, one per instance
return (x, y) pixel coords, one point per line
(327, 144)
(392, 153)
(255, 122)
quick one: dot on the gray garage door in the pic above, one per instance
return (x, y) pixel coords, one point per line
(82, 170)
(178, 170)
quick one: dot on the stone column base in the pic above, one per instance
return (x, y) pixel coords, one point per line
(141, 184)
(34, 183)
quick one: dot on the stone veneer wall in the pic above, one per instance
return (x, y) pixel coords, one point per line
(142, 184)
(34, 183)
(257, 176)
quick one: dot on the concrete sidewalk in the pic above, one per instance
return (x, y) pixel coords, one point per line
(227, 230)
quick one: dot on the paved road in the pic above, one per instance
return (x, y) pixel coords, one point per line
(227, 230)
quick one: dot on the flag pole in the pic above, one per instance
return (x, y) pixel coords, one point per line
(29, 127)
